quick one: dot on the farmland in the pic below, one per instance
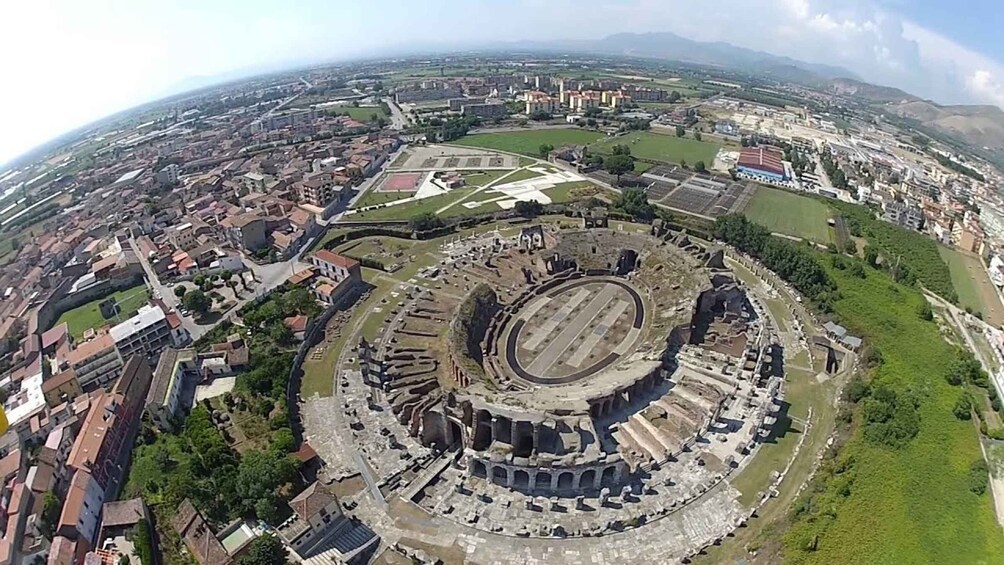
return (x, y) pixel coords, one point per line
(528, 142)
(790, 214)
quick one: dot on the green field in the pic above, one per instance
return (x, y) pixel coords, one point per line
(522, 174)
(87, 316)
(791, 214)
(910, 504)
(663, 148)
(361, 113)
(972, 283)
(528, 142)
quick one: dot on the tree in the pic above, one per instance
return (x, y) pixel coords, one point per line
(424, 222)
(280, 333)
(265, 550)
(634, 202)
(621, 149)
(925, 312)
(196, 301)
(51, 507)
(871, 257)
(592, 112)
(683, 163)
(850, 247)
(529, 209)
(180, 291)
(697, 135)
(618, 165)
(680, 132)
(544, 150)
(674, 97)
(699, 167)
(963, 409)
(226, 276)
(259, 476)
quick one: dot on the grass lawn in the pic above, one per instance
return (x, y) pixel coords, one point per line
(664, 148)
(910, 504)
(482, 178)
(360, 114)
(87, 316)
(410, 209)
(528, 142)
(567, 191)
(522, 174)
(790, 214)
(973, 285)
(372, 198)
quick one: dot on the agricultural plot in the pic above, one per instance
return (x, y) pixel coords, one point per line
(790, 214)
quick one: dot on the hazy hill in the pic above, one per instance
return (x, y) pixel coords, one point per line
(981, 126)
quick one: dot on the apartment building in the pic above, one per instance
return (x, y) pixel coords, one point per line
(95, 362)
(901, 214)
(173, 368)
(146, 333)
(537, 102)
(81, 512)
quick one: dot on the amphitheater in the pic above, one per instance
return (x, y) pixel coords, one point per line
(568, 383)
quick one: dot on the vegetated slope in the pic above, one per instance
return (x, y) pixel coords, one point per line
(872, 503)
(869, 92)
(981, 126)
(904, 249)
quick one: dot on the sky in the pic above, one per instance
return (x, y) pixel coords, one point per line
(66, 63)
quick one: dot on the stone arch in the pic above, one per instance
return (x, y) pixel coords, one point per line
(478, 469)
(521, 479)
(588, 478)
(500, 475)
(609, 476)
(566, 480)
(542, 481)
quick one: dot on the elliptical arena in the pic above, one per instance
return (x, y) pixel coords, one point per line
(574, 394)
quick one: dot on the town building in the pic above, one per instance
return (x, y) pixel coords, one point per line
(488, 110)
(763, 163)
(95, 362)
(902, 214)
(541, 102)
(146, 333)
(318, 520)
(164, 400)
(246, 231)
(61, 387)
(335, 266)
(81, 511)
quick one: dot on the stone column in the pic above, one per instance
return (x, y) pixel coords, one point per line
(513, 438)
(598, 479)
(536, 437)
(494, 426)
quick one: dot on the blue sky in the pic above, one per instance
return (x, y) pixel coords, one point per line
(69, 62)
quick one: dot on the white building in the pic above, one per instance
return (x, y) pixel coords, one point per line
(146, 333)
(316, 517)
(182, 237)
(164, 398)
(169, 175)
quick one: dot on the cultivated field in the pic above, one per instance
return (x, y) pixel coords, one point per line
(663, 148)
(790, 214)
(528, 142)
(973, 285)
(87, 316)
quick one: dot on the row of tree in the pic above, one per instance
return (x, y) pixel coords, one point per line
(792, 262)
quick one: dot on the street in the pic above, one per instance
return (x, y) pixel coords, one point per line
(268, 277)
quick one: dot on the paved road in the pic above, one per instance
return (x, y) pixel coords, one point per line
(397, 118)
(268, 277)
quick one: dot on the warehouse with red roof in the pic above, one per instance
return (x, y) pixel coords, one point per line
(762, 163)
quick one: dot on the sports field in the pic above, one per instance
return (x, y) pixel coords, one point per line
(87, 316)
(973, 284)
(790, 214)
(658, 147)
(528, 142)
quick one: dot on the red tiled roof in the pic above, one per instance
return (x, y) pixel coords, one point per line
(336, 259)
(765, 159)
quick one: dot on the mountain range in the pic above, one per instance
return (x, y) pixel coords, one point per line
(980, 127)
